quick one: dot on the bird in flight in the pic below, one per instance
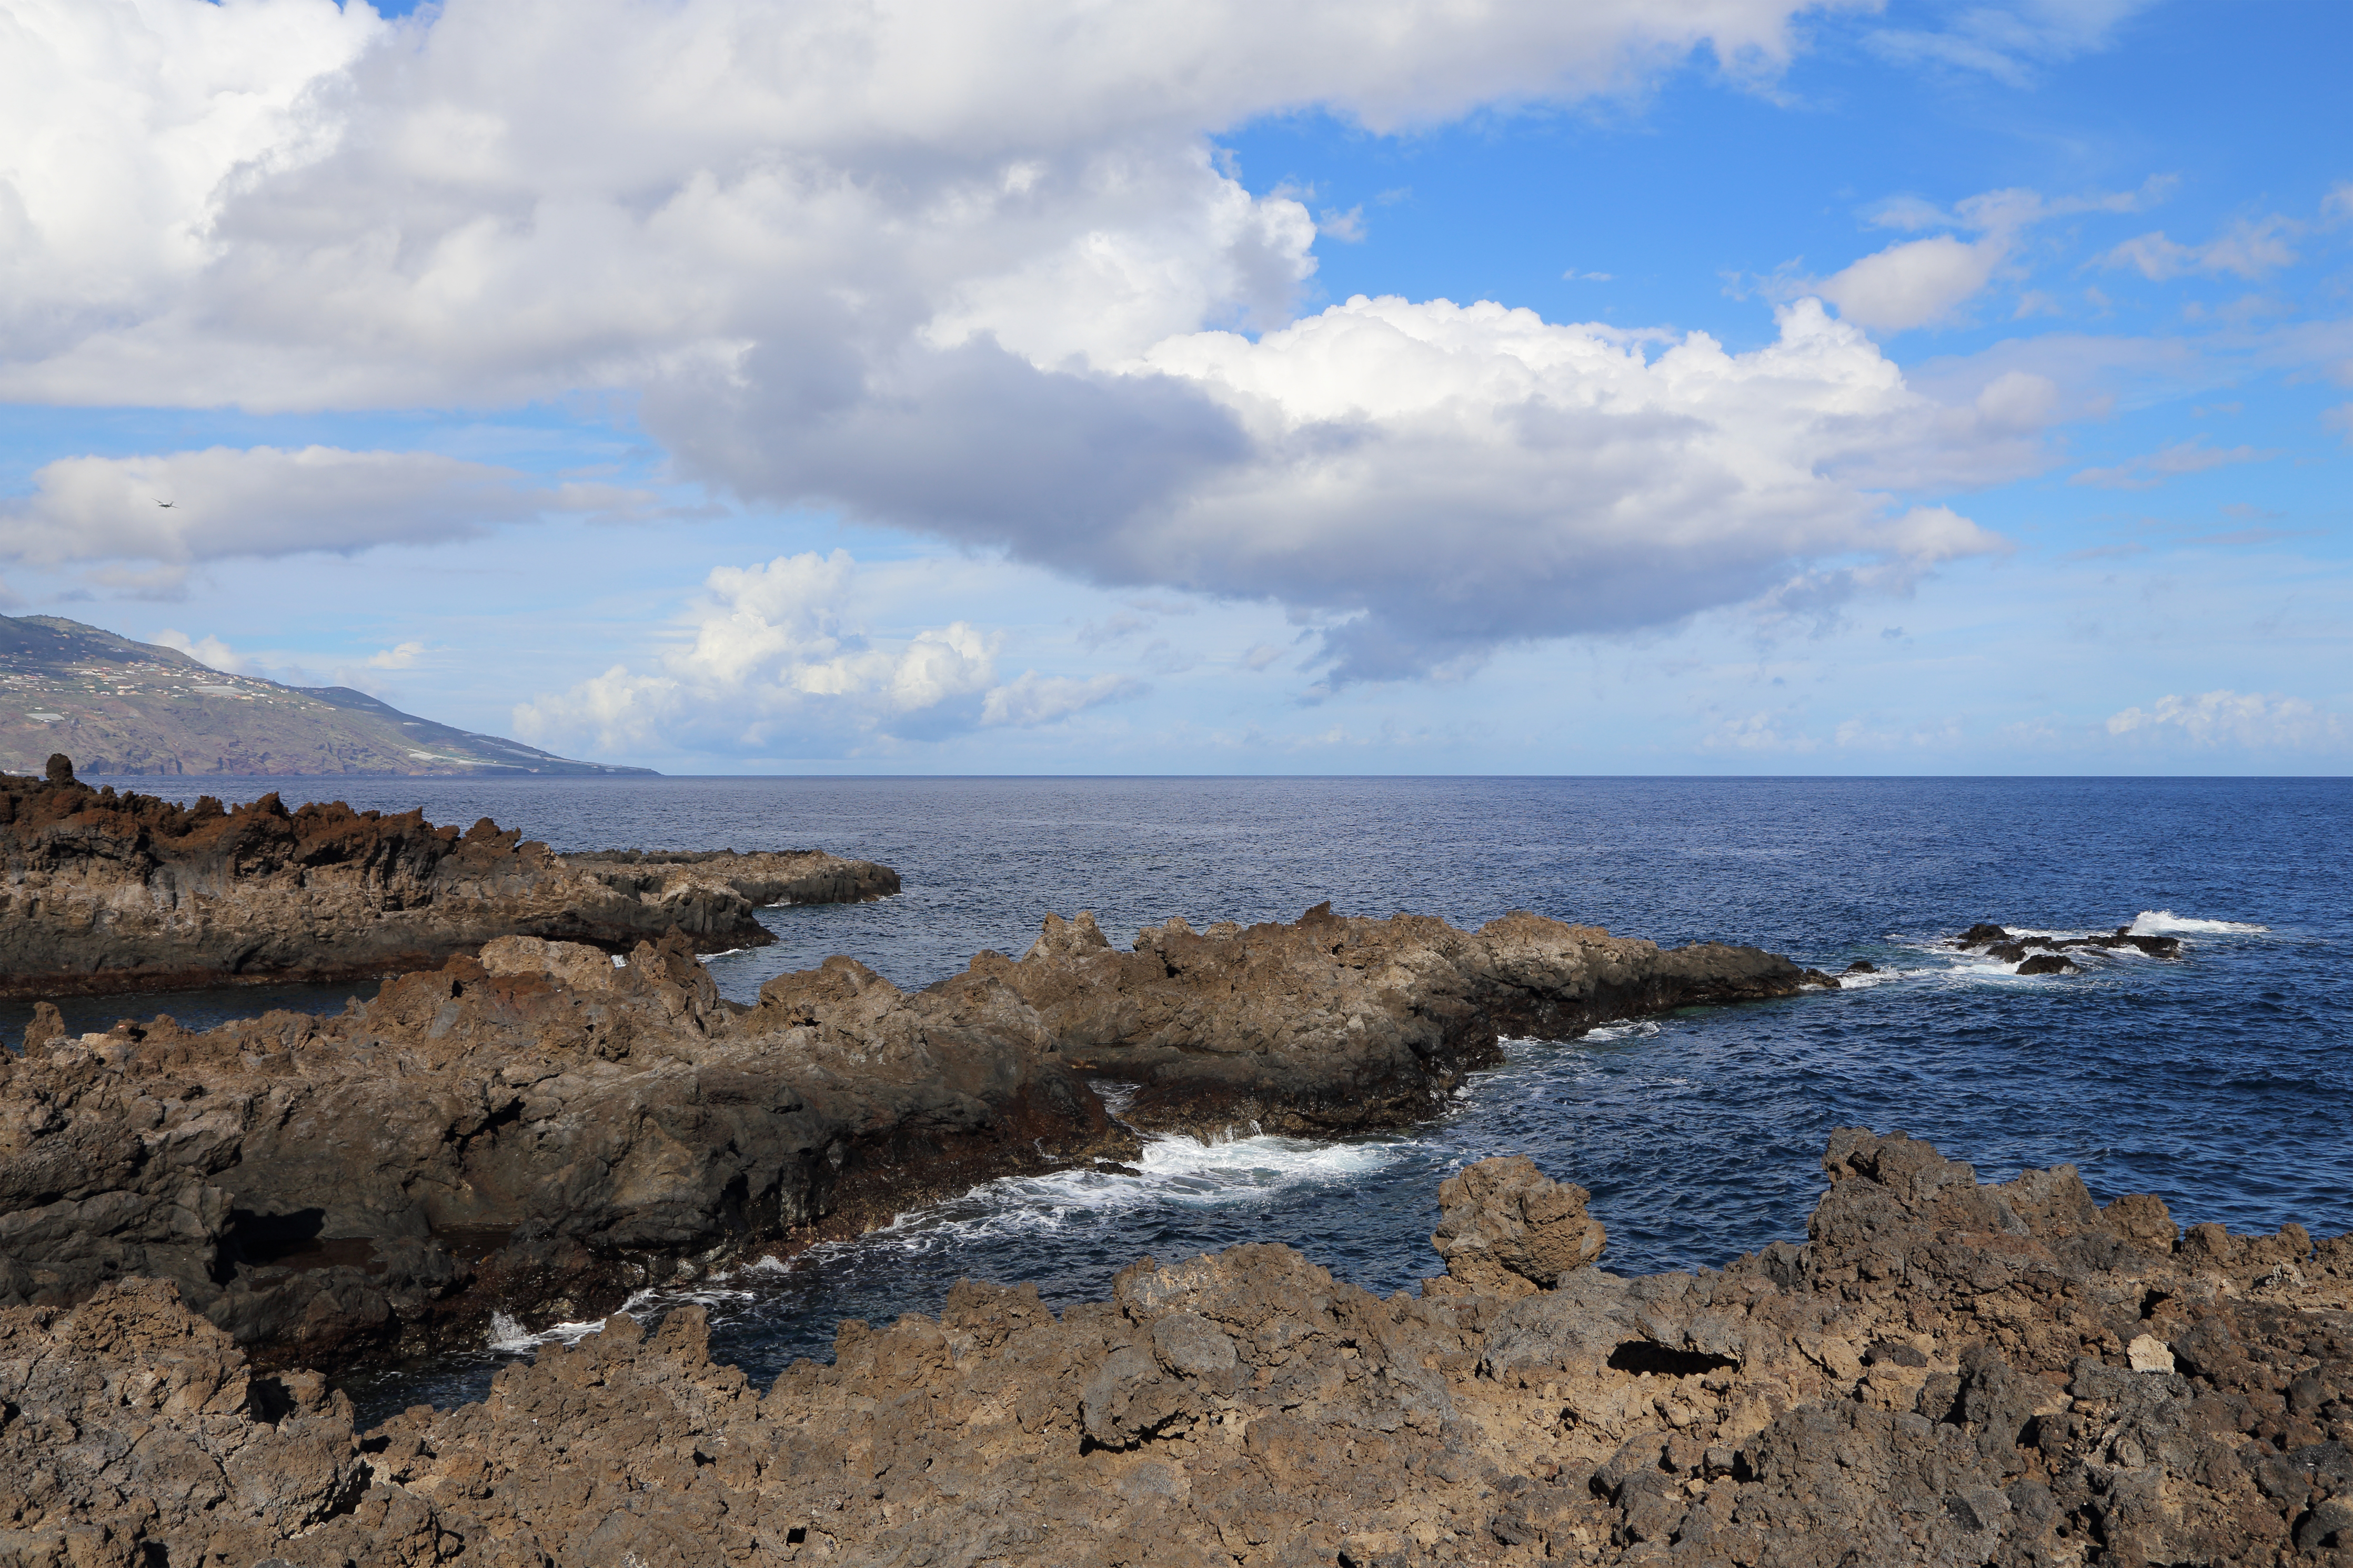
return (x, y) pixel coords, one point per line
(166, 504)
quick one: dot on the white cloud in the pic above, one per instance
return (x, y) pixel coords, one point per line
(2191, 457)
(223, 502)
(210, 651)
(776, 664)
(2008, 41)
(2253, 249)
(1914, 284)
(946, 265)
(401, 656)
(1034, 699)
(2233, 718)
(2339, 419)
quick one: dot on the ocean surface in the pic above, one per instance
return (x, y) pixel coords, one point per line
(2222, 1081)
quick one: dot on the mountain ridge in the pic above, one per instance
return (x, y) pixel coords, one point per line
(127, 709)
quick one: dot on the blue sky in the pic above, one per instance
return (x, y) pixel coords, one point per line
(1796, 389)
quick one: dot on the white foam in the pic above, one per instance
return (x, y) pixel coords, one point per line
(1639, 1029)
(2165, 922)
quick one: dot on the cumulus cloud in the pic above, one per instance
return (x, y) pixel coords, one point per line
(2191, 457)
(224, 503)
(969, 267)
(2233, 718)
(1430, 480)
(400, 656)
(773, 664)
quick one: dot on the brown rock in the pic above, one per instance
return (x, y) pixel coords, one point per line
(1506, 1229)
(1945, 1373)
(105, 892)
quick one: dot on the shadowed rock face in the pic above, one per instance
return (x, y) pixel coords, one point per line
(1335, 1023)
(1942, 1373)
(105, 892)
(534, 1128)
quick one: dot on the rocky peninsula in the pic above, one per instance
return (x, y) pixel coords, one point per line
(1946, 1372)
(537, 1128)
(104, 892)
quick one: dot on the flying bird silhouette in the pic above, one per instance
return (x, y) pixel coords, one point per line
(166, 504)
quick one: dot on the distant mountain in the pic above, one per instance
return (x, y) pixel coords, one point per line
(115, 706)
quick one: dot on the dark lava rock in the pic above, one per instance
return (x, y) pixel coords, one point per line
(1862, 966)
(105, 892)
(1980, 934)
(1944, 1372)
(531, 1130)
(2049, 963)
(1336, 1023)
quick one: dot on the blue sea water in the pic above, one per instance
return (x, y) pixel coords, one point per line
(2220, 1081)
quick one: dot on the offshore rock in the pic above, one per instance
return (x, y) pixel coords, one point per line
(532, 1130)
(1336, 1023)
(1996, 942)
(1945, 1372)
(105, 892)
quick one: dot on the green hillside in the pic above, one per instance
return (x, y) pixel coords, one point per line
(119, 707)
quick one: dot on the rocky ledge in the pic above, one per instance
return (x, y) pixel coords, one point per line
(538, 1131)
(1945, 1372)
(104, 892)
(1339, 1024)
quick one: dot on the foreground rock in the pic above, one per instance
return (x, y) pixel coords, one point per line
(1945, 1372)
(535, 1129)
(1335, 1022)
(105, 892)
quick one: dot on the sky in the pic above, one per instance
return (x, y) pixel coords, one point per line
(971, 386)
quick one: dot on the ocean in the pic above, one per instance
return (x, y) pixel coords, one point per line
(2220, 1081)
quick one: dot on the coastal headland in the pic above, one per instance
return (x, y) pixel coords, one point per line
(104, 892)
(1945, 1372)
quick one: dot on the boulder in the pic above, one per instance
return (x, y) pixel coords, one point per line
(1506, 1229)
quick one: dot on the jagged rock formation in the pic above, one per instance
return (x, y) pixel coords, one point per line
(536, 1130)
(2049, 953)
(1506, 1228)
(1943, 1373)
(536, 1127)
(105, 892)
(1335, 1022)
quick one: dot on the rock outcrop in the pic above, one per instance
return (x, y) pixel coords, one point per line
(2046, 954)
(535, 1129)
(1945, 1372)
(105, 892)
(1336, 1023)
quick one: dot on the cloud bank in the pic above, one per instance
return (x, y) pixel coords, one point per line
(972, 268)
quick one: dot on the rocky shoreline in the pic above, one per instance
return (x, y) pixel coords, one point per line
(537, 1128)
(1945, 1372)
(102, 893)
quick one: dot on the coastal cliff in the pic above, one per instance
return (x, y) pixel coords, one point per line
(537, 1130)
(1945, 1372)
(105, 892)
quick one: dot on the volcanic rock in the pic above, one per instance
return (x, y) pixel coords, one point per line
(530, 1130)
(1997, 944)
(2049, 963)
(1943, 1373)
(106, 893)
(1507, 1229)
(1335, 1022)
